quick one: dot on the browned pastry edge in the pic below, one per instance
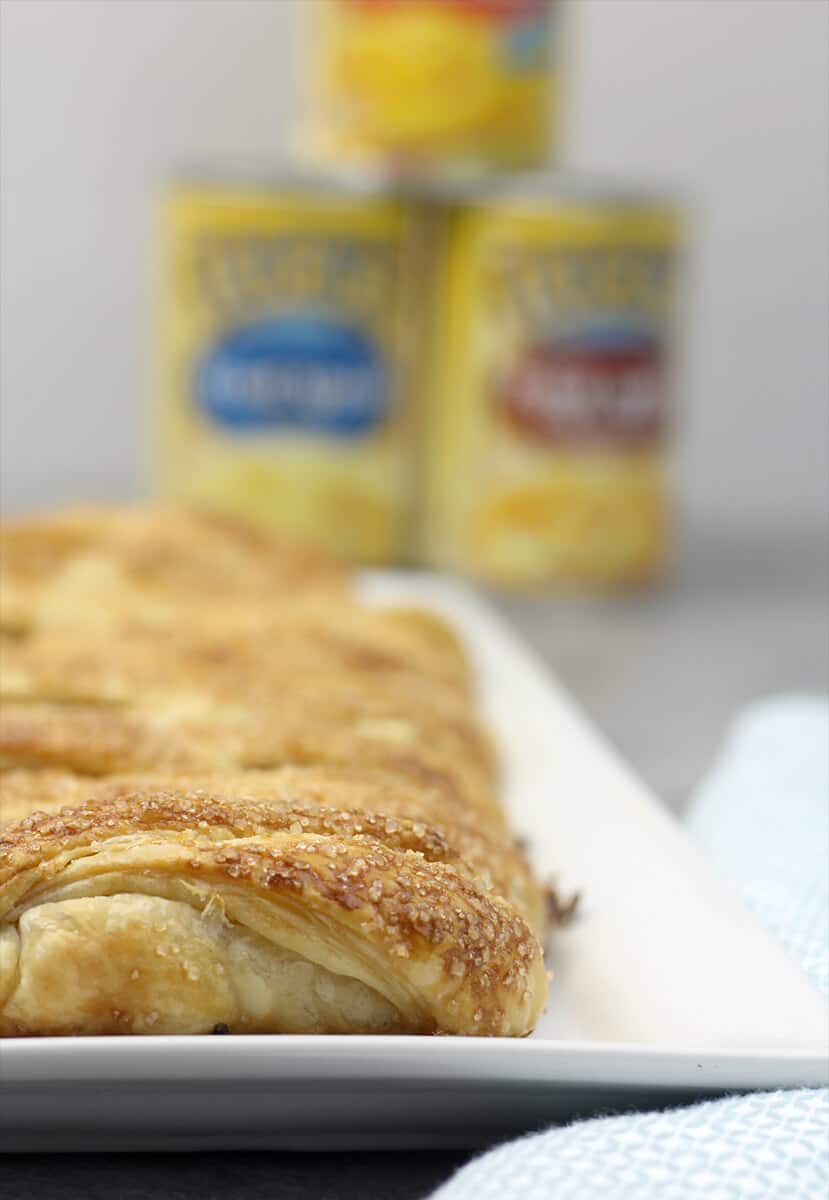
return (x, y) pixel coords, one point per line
(410, 909)
(414, 859)
(355, 801)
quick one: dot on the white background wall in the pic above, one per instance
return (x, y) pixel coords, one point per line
(726, 100)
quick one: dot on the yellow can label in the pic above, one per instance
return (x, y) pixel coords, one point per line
(425, 82)
(283, 355)
(547, 454)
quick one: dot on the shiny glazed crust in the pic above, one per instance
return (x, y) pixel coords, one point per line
(324, 797)
(233, 799)
(176, 911)
(419, 747)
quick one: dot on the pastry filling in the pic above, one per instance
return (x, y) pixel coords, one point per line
(138, 964)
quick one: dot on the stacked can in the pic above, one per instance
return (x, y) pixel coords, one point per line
(289, 339)
(433, 86)
(420, 354)
(550, 400)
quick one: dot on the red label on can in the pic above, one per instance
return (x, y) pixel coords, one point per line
(572, 395)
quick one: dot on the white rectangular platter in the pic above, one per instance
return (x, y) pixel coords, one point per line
(666, 988)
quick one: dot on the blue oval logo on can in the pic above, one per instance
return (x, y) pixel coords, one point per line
(303, 373)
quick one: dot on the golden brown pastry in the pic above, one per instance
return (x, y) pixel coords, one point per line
(233, 798)
(485, 849)
(187, 734)
(291, 643)
(174, 911)
(106, 567)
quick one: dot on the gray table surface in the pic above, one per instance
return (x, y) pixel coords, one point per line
(662, 675)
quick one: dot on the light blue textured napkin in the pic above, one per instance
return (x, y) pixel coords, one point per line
(762, 816)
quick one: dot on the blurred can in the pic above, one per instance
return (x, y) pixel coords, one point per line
(547, 447)
(286, 339)
(424, 85)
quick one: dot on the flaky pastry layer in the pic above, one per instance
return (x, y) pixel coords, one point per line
(234, 799)
(175, 891)
(324, 799)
